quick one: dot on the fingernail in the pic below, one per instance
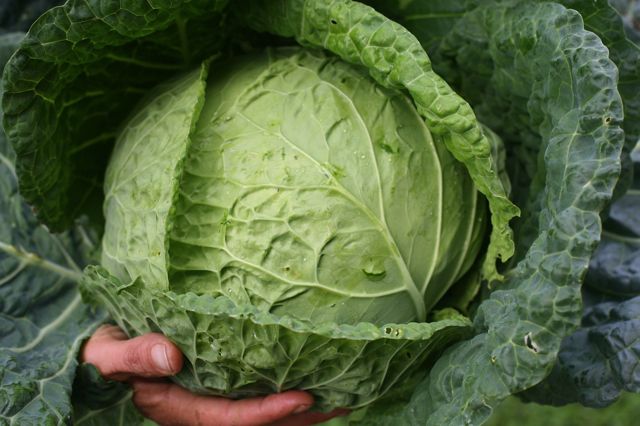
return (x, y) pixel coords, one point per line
(160, 358)
(301, 409)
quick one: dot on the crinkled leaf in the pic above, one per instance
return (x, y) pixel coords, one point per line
(43, 320)
(597, 362)
(394, 58)
(601, 18)
(141, 182)
(76, 76)
(240, 350)
(561, 119)
(601, 359)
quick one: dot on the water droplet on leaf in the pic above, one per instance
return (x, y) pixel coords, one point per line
(374, 269)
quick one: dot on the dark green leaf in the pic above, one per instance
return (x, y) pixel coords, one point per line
(560, 119)
(74, 79)
(42, 318)
(597, 362)
(601, 359)
(97, 401)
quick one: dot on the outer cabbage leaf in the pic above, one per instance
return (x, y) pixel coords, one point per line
(242, 351)
(43, 320)
(75, 77)
(597, 362)
(561, 122)
(601, 359)
(97, 401)
(601, 18)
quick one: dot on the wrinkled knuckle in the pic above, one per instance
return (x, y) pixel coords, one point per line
(148, 401)
(201, 419)
(135, 360)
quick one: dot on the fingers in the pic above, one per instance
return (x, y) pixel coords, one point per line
(171, 405)
(118, 358)
(153, 355)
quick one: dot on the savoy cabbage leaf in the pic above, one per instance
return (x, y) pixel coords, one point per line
(129, 47)
(601, 359)
(43, 320)
(97, 401)
(557, 112)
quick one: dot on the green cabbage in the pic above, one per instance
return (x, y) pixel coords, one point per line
(292, 189)
(300, 201)
(304, 189)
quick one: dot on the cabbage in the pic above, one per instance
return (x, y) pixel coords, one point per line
(293, 193)
(303, 189)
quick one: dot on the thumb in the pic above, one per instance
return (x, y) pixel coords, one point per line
(118, 358)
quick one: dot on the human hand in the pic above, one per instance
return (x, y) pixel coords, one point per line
(142, 360)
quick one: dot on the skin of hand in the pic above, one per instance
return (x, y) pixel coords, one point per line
(143, 361)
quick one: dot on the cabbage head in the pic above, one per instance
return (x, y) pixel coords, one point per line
(293, 187)
(303, 188)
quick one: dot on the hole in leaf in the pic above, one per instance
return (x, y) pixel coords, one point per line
(529, 343)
